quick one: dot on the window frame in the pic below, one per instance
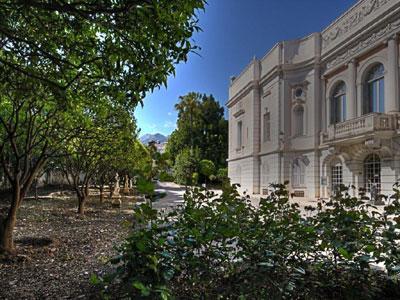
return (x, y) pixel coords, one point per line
(339, 103)
(374, 90)
(239, 129)
(298, 173)
(267, 126)
(298, 121)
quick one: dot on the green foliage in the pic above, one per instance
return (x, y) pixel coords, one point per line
(206, 167)
(222, 175)
(185, 165)
(195, 178)
(201, 124)
(145, 187)
(166, 177)
(121, 48)
(60, 61)
(221, 247)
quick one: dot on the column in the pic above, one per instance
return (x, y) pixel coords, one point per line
(359, 101)
(351, 92)
(392, 79)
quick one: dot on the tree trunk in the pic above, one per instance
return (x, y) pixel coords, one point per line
(83, 194)
(81, 205)
(7, 224)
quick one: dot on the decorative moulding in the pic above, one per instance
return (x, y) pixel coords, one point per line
(351, 19)
(239, 113)
(364, 44)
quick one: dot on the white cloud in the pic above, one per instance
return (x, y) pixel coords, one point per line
(169, 124)
(170, 114)
(153, 126)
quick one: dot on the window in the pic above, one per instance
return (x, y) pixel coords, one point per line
(298, 173)
(239, 135)
(338, 104)
(374, 100)
(372, 172)
(298, 114)
(267, 127)
(337, 176)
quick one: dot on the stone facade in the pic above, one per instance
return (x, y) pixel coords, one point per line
(322, 110)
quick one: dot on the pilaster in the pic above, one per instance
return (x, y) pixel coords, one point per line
(351, 97)
(392, 98)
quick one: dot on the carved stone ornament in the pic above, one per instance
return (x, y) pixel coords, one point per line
(352, 20)
(387, 30)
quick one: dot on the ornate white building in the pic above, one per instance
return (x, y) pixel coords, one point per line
(322, 110)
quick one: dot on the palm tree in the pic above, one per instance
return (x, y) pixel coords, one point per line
(187, 108)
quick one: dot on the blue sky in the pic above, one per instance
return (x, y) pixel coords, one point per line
(233, 32)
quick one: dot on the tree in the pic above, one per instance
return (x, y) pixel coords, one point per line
(207, 168)
(107, 134)
(185, 165)
(201, 124)
(59, 56)
(29, 135)
(123, 47)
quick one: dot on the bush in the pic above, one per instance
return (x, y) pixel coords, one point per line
(224, 248)
(195, 178)
(207, 168)
(166, 177)
(145, 187)
(222, 175)
(185, 165)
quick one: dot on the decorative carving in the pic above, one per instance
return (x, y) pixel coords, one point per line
(388, 29)
(353, 20)
(299, 91)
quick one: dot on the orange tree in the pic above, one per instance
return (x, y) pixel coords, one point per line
(52, 52)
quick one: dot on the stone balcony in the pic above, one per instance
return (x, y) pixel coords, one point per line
(364, 126)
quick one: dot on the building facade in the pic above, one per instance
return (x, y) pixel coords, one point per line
(323, 110)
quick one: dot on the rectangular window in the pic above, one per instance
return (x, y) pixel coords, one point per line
(267, 127)
(239, 135)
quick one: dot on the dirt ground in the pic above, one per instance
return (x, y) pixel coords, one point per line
(58, 251)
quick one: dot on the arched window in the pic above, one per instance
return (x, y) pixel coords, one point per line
(372, 172)
(298, 114)
(298, 173)
(374, 100)
(336, 176)
(338, 104)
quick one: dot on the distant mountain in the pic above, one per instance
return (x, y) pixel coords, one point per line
(158, 137)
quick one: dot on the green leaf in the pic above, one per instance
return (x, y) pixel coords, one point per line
(145, 291)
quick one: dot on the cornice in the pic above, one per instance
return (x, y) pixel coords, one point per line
(243, 92)
(374, 38)
(351, 19)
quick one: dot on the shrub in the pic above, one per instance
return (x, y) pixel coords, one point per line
(166, 177)
(185, 165)
(207, 168)
(195, 178)
(222, 174)
(224, 248)
(145, 187)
